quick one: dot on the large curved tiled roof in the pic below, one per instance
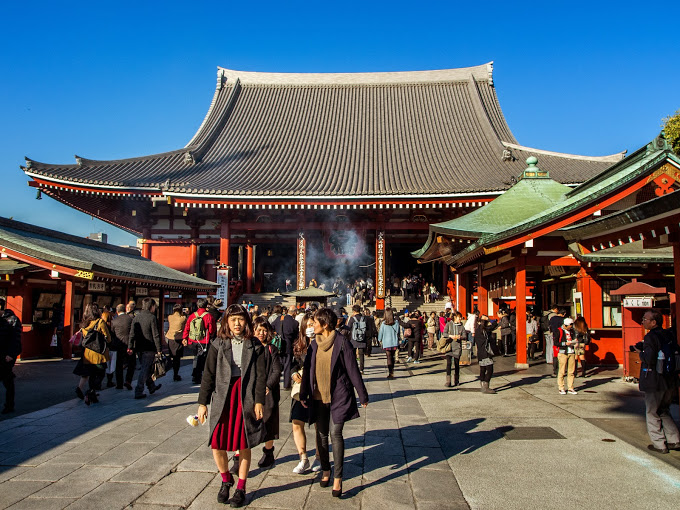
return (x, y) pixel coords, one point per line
(351, 136)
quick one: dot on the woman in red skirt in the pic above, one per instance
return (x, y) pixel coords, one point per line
(234, 384)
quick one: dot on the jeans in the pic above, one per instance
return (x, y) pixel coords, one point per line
(199, 363)
(146, 360)
(324, 425)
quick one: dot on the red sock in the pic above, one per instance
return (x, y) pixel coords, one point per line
(226, 477)
(241, 484)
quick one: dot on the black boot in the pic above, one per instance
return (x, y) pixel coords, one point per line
(109, 381)
(583, 369)
(267, 459)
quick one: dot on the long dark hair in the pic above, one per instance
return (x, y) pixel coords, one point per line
(302, 343)
(580, 325)
(389, 317)
(225, 332)
(90, 314)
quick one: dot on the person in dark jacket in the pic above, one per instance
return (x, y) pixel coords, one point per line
(264, 332)
(555, 324)
(234, 385)
(145, 342)
(120, 331)
(506, 332)
(415, 339)
(453, 333)
(330, 377)
(10, 348)
(288, 330)
(364, 326)
(482, 337)
(658, 388)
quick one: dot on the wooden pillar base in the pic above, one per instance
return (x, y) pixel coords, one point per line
(380, 304)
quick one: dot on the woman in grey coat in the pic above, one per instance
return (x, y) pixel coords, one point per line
(234, 383)
(453, 334)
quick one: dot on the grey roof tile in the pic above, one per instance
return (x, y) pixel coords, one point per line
(330, 135)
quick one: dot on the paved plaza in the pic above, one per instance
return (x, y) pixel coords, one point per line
(417, 445)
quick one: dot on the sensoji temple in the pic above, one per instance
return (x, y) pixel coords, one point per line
(301, 176)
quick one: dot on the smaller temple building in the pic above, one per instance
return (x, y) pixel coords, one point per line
(49, 277)
(543, 243)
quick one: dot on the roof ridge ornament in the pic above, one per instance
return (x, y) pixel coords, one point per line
(659, 144)
(189, 158)
(532, 171)
(489, 69)
(79, 160)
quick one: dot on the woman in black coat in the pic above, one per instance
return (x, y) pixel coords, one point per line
(264, 332)
(483, 329)
(234, 384)
(330, 377)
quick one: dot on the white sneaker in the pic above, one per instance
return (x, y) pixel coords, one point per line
(302, 467)
(562, 392)
(572, 392)
(316, 466)
(409, 359)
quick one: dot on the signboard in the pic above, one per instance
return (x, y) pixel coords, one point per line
(380, 265)
(301, 256)
(223, 289)
(141, 291)
(173, 295)
(96, 286)
(638, 302)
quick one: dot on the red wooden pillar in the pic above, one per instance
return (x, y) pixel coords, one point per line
(461, 305)
(193, 257)
(521, 312)
(591, 291)
(225, 239)
(482, 292)
(249, 267)
(68, 319)
(146, 249)
(380, 276)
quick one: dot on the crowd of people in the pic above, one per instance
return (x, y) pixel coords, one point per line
(243, 355)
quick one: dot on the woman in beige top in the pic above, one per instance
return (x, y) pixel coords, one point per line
(176, 322)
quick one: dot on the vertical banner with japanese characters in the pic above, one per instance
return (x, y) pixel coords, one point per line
(380, 265)
(301, 259)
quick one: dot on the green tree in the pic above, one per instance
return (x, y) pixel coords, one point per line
(671, 128)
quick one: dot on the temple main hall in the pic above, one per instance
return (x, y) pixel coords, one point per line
(300, 176)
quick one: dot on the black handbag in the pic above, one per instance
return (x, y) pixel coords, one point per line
(95, 341)
(162, 365)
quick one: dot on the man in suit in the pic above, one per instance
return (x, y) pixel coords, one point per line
(288, 330)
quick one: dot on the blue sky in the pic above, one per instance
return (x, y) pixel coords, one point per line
(109, 80)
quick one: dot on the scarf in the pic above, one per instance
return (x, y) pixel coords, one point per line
(324, 352)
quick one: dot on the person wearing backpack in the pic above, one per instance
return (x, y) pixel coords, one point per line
(199, 329)
(659, 381)
(362, 330)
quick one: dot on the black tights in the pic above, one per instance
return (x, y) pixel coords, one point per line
(324, 426)
(456, 365)
(485, 373)
(390, 361)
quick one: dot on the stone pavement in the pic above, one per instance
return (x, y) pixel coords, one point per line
(417, 445)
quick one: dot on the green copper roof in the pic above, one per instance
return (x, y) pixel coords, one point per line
(523, 213)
